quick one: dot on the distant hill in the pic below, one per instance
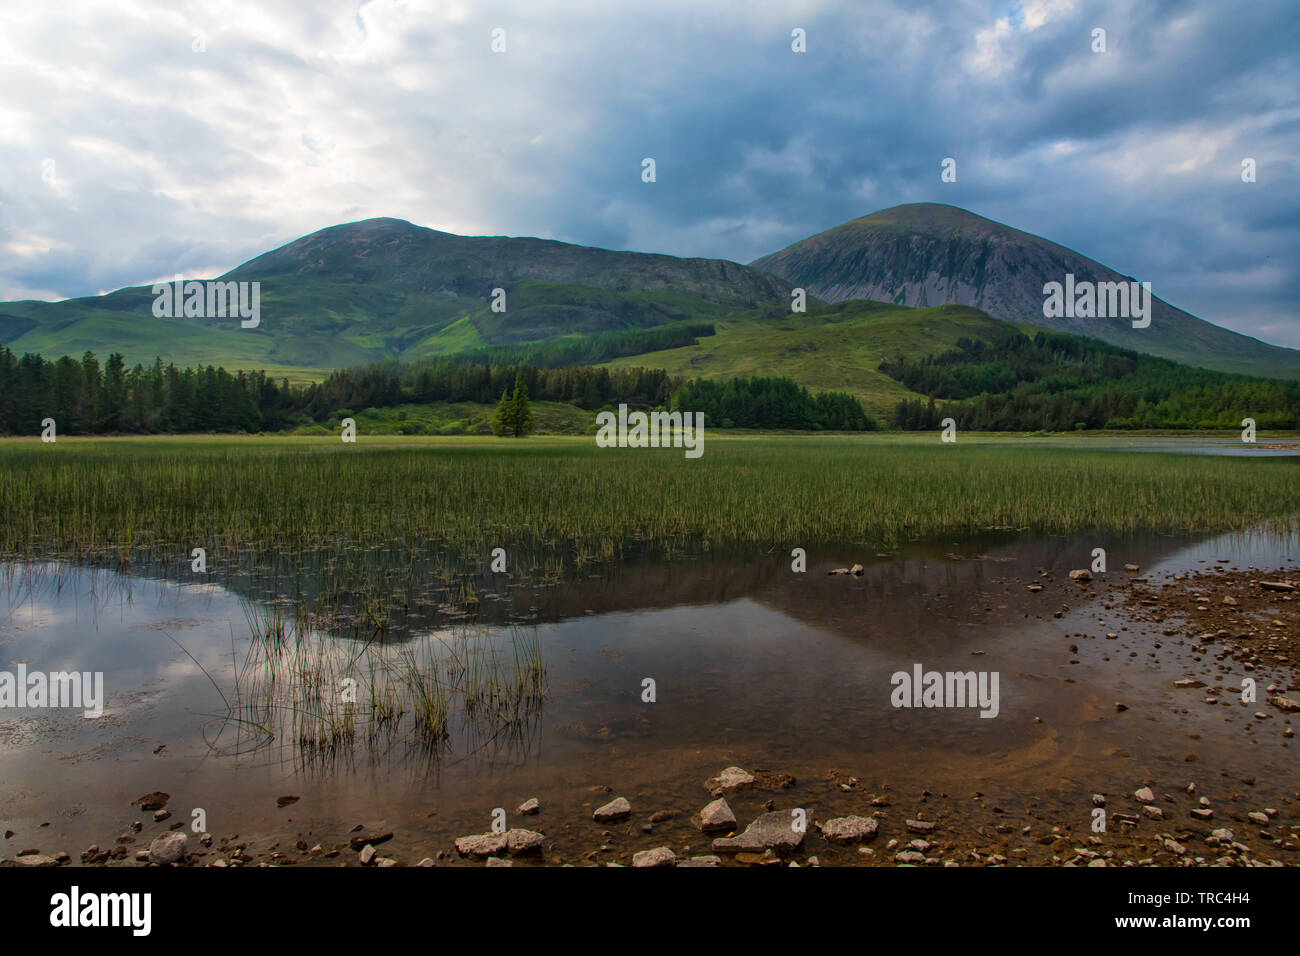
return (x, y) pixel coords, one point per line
(835, 347)
(385, 288)
(929, 254)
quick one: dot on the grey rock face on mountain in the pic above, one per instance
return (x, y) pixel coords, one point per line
(928, 254)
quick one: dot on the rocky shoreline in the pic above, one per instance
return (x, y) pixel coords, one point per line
(1149, 827)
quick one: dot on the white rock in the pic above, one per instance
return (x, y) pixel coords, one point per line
(851, 829)
(481, 844)
(524, 841)
(169, 848)
(659, 856)
(616, 809)
(716, 816)
(775, 829)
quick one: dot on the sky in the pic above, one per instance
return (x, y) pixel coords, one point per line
(143, 139)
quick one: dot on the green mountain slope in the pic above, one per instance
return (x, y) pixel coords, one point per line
(384, 288)
(927, 254)
(829, 348)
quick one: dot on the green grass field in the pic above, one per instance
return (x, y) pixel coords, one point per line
(833, 348)
(568, 497)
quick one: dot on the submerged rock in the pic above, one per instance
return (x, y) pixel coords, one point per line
(731, 779)
(373, 839)
(152, 801)
(1082, 574)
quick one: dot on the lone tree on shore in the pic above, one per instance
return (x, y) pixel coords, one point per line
(514, 414)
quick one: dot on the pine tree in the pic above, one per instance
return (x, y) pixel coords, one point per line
(503, 419)
(522, 421)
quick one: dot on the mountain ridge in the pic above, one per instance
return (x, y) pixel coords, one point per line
(385, 288)
(928, 254)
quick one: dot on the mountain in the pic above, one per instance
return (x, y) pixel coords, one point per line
(385, 288)
(928, 254)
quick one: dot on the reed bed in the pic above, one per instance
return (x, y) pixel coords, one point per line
(556, 502)
(322, 699)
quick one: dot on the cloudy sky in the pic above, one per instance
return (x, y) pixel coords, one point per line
(139, 139)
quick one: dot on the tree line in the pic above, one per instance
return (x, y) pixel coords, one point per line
(1056, 381)
(87, 397)
(770, 403)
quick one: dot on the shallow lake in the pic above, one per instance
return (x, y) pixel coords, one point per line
(752, 664)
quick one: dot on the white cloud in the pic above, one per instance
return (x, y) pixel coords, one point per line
(996, 49)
